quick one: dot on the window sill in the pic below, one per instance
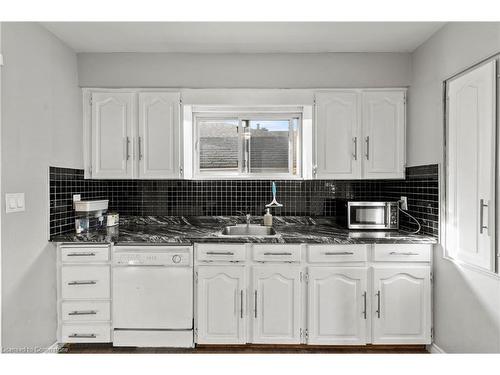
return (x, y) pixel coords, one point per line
(471, 267)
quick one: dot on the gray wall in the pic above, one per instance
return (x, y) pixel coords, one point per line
(466, 302)
(41, 126)
(244, 70)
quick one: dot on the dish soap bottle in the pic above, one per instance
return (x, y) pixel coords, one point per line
(268, 218)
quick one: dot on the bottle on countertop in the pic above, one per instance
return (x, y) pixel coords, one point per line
(268, 218)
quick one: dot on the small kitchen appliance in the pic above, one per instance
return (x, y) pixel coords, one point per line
(90, 214)
(368, 215)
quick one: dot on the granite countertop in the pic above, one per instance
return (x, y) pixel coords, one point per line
(207, 229)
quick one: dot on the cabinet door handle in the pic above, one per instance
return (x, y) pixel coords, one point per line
(241, 303)
(255, 304)
(378, 304)
(402, 253)
(140, 148)
(127, 146)
(277, 253)
(83, 335)
(90, 282)
(367, 140)
(355, 142)
(482, 205)
(220, 253)
(90, 312)
(81, 254)
(339, 253)
(364, 305)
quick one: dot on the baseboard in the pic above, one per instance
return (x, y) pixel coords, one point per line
(434, 349)
(53, 349)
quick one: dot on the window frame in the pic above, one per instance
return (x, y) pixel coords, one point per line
(241, 116)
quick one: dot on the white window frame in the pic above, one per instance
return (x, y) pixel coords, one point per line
(241, 116)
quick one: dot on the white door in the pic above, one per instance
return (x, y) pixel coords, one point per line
(337, 306)
(471, 141)
(276, 304)
(384, 132)
(221, 305)
(338, 149)
(112, 134)
(158, 140)
(401, 307)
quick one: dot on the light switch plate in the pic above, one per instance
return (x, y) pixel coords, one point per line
(14, 202)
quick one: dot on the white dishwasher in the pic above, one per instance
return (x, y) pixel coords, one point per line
(152, 299)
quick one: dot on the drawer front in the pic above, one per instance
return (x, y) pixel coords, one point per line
(276, 253)
(80, 311)
(220, 252)
(402, 253)
(85, 333)
(85, 282)
(337, 253)
(73, 254)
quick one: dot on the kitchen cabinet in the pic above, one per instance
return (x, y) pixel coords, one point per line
(132, 134)
(401, 309)
(277, 304)
(221, 305)
(337, 305)
(360, 134)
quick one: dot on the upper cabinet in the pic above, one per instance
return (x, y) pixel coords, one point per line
(360, 134)
(132, 135)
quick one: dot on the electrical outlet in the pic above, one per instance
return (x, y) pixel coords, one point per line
(404, 203)
(77, 197)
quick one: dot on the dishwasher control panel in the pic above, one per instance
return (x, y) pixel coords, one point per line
(152, 256)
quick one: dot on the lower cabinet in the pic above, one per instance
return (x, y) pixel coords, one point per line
(337, 305)
(277, 304)
(221, 305)
(402, 305)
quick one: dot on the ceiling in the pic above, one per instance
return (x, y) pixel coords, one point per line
(243, 37)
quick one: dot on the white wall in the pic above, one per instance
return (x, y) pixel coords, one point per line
(466, 302)
(41, 126)
(244, 70)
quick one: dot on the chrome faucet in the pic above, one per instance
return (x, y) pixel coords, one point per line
(247, 216)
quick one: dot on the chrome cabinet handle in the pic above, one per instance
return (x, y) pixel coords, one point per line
(127, 146)
(241, 303)
(81, 255)
(378, 304)
(83, 335)
(220, 253)
(402, 253)
(90, 282)
(339, 253)
(355, 141)
(367, 140)
(255, 304)
(90, 312)
(364, 305)
(482, 205)
(140, 148)
(277, 253)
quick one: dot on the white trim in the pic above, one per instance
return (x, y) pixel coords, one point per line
(52, 349)
(1, 65)
(434, 349)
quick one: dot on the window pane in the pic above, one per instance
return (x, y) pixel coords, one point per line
(269, 146)
(218, 145)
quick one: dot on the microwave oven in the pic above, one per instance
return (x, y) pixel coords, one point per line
(368, 215)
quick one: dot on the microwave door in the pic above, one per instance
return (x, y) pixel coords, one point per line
(368, 217)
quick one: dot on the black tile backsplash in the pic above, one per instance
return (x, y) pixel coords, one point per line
(227, 197)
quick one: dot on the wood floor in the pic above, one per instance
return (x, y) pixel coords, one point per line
(247, 349)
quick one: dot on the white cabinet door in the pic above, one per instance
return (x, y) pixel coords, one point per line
(384, 126)
(221, 305)
(158, 139)
(277, 304)
(337, 135)
(470, 146)
(401, 308)
(337, 306)
(112, 134)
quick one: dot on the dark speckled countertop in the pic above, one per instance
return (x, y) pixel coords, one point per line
(207, 229)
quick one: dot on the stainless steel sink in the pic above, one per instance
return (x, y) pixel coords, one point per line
(248, 230)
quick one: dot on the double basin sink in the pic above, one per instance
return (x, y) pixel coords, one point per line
(248, 230)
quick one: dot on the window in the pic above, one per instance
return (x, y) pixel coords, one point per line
(247, 145)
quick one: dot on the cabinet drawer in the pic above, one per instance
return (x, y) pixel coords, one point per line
(85, 333)
(276, 253)
(74, 254)
(337, 253)
(79, 311)
(402, 253)
(85, 282)
(220, 252)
